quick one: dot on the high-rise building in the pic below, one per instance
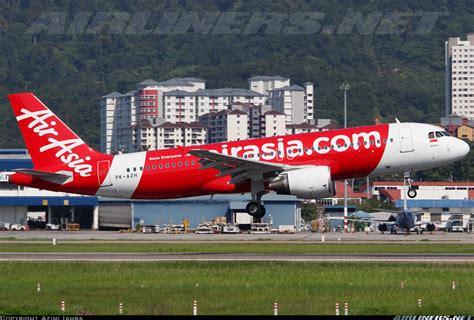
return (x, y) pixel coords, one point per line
(291, 101)
(459, 63)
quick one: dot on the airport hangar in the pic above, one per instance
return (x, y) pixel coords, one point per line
(38, 207)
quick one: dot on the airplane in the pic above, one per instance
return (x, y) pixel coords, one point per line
(305, 165)
(405, 219)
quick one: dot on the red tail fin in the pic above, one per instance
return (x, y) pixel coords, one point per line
(49, 141)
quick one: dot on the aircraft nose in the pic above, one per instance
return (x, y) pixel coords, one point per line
(462, 149)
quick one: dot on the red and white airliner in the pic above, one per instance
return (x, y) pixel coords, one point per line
(305, 165)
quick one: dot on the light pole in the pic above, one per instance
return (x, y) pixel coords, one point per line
(345, 87)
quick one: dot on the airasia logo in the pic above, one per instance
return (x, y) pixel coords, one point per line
(296, 148)
(65, 148)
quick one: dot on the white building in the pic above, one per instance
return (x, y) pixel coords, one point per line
(459, 60)
(291, 101)
(148, 136)
(108, 105)
(273, 124)
(226, 125)
(265, 84)
(185, 106)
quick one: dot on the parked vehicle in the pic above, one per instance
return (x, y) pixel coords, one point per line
(151, 228)
(230, 228)
(17, 227)
(203, 228)
(454, 226)
(52, 226)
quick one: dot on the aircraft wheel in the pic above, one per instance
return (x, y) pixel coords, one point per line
(255, 209)
(412, 193)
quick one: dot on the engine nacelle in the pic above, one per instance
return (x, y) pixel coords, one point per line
(307, 183)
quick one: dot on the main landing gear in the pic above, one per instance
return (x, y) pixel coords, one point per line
(255, 207)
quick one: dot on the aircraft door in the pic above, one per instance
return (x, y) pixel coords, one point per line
(404, 134)
(103, 168)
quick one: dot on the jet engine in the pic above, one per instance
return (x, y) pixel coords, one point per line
(430, 227)
(308, 183)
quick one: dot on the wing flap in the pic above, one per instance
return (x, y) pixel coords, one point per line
(238, 168)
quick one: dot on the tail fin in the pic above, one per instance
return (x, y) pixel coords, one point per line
(49, 141)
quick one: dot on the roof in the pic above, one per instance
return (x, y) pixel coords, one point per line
(130, 93)
(176, 82)
(52, 201)
(182, 125)
(114, 94)
(350, 192)
(237, 111)
(274, 112)
(267, 78)
(222, 92)
(422, 183)
(179, 93)
(302, 125)
(294, 87)
(228, 92)
(148, 82)
(436, 203)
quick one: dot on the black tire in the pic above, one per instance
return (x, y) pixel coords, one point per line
(411, 193)
(255, 209)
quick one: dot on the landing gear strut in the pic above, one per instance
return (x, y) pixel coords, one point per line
(411, 191)
(255, 207)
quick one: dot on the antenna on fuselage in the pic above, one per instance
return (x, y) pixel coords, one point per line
(397, 121)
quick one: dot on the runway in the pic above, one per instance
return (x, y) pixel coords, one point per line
(234, 257)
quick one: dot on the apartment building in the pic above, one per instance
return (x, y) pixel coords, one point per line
(459, 64)
(149, 136)
(295, 101)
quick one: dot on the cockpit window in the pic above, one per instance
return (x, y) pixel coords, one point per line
(445, 133)
(439, 134)
(431, 135)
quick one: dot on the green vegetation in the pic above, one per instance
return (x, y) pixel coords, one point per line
(393, 74)
(244, 247)
(239, 288)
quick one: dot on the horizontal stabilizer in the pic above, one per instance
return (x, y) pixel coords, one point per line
(61, 177)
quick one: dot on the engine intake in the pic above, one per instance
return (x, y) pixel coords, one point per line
(307, 183)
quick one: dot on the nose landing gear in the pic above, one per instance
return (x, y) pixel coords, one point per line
(411, 191)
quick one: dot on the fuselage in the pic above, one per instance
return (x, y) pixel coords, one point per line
(350, 153)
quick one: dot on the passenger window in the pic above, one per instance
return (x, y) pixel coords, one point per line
(154, 167)
(128, 169)
(193, 162)
(173, 165)
(161, 166)
(438, 134)
(186, 163)
(167, 165)
(141, 168)
(134, 169)
(431, 135)
(180, 164)
(147, 168)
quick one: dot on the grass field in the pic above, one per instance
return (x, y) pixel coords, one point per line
(264, 247)
(239, 288)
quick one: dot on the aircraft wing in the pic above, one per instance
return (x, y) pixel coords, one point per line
(238, 168)
(54, 177)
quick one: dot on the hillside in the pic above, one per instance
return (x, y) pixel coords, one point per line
(395, 63)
